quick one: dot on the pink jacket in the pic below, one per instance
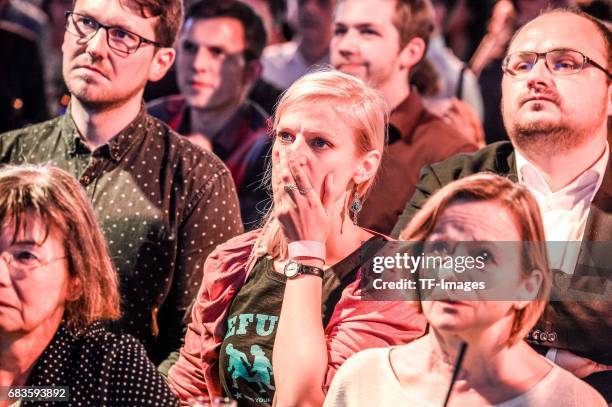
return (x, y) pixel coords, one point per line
(355, 325)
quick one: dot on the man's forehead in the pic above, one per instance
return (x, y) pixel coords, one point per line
(125, 13)
(365, 12)
(215, 29)
(559, 30)
(228, 26)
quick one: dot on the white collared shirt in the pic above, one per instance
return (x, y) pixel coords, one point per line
(564, 212)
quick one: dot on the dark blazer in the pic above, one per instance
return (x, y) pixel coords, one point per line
(583, 327)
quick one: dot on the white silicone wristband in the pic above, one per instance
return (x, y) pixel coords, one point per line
(307, 248)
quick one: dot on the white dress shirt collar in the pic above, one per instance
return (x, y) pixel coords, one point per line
(582, 189)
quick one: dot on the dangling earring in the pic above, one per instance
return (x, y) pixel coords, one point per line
(355, 207)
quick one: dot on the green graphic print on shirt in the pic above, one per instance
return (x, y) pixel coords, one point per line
(239, 367)
(245, 359)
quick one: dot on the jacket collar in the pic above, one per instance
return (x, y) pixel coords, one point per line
(599, 224)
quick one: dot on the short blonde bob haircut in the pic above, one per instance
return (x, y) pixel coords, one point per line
(58, 200)
(520, 204)
(359, 106)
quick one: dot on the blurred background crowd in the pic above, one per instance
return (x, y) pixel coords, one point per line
(463, 60)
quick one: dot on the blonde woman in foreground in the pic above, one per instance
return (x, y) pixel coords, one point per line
(279, 308)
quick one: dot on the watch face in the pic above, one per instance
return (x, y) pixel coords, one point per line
(291, 269)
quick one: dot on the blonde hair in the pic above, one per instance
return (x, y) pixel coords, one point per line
(361, 107)
(514, 198)
(58, 200)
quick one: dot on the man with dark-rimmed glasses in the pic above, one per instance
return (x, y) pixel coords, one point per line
(163, 203)
(559, 62)
(118, 38)
(556, 105)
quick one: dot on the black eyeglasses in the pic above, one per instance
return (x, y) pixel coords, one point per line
(117, 38)
(558, 61)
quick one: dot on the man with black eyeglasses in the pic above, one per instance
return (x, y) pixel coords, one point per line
(163, 203)
(556, 105)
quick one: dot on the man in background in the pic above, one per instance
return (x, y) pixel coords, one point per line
(217, 63)
(381, 42)
(285, 63)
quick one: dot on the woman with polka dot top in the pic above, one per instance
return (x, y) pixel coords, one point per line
(57, 283)
(279, 308)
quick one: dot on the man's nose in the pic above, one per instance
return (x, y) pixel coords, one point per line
(347, 44)
(298, 144)
(539, 76)
(447, 272)
(202, 59)
(97, 46)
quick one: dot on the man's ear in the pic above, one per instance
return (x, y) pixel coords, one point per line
(412, 53)
(366, 169)
(252, 71)
(162, 61)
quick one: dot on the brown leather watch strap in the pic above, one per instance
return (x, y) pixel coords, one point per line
(311, 270)
(294, 269)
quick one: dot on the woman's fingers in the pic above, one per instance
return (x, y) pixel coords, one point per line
(285, 178)
(283, 183)
(304, 186)
(299, 208)
(600, 367)
(579, 366)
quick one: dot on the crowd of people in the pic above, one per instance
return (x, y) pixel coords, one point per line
(199, 218)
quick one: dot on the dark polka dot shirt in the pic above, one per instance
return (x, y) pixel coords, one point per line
(99, 368)
(163, 203)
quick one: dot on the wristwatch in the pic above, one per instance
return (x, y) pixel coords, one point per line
(294, 269)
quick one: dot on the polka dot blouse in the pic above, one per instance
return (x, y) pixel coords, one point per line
(100, 369)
